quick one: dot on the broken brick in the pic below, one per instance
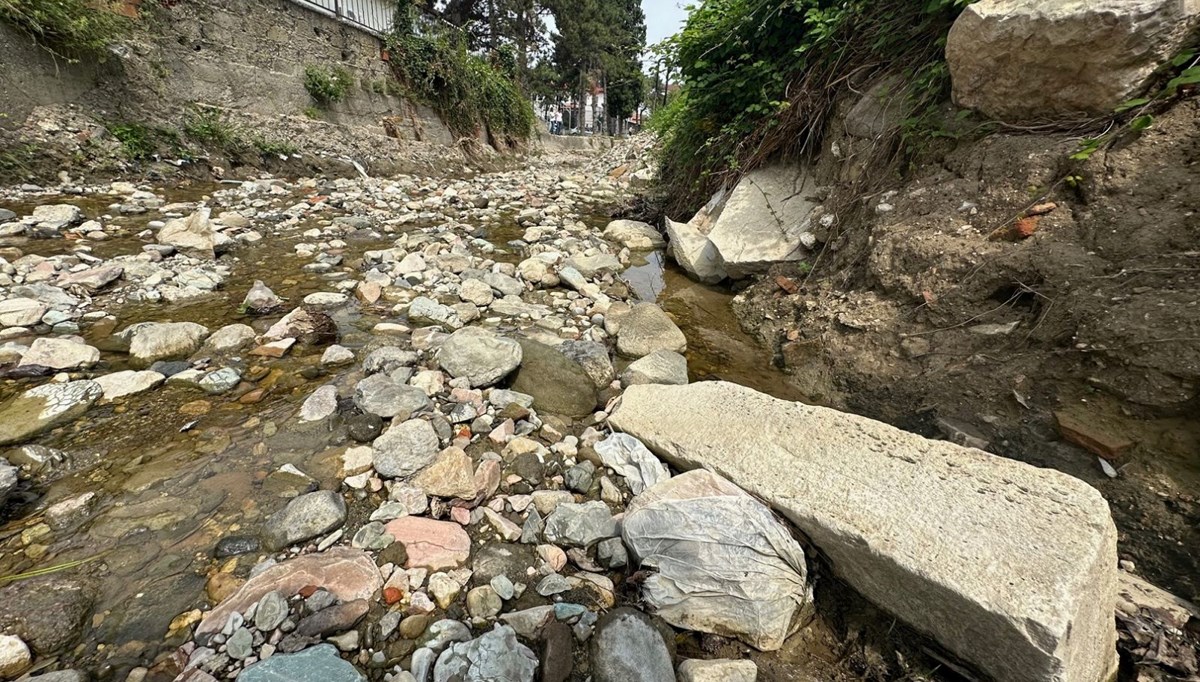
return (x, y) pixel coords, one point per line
(1092, 437)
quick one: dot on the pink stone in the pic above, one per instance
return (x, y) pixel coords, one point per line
(349, 574)
(436, 545)
(461, 515)
(487, 478)
(502, 433)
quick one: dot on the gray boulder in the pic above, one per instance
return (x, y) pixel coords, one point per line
(426, 311)
(765, 220)
(634, 235)
(595, 265)
(1020, 60)
(320, 663)
(153, 341)
(659, 367)
(305, 517)
(693, 251)
(946, 565)
(192, 236)
(646, 329)
(628, 647)
(581, 525)
(480, 356)
(405, 448)
(59, 354)
(558, 384)
(593, 358)
(260, 300)
(44, 407)
(381, 395)
(495, 656)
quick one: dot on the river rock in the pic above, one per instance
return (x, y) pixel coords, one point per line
(14, 657)
(580, 525)
(305, 517)
(346, 573)
(92, 279)
(659, 367)
(320, 663)
(476, 291)
(558, 384)
(1021, 582)
(153, 341)
(765, 220)
(451, 474)
(321, 405)
(308, 326)
(480, 356)
(45, 407)
(405, 448)
(381, 395)
(646, 328)
(717, 670)
(260, 300)
(593, 358)
(219, 381)
(634, 235)
(21, 312)
(48, 613)
(54, 217)
(496, 655)
(1020, 60)
(627, 647)
(595, 265)
(693, 251)
(128, 382)
(8, 479)
(723, 563)
(192, 236)
(426, 311)
(432, 545)
(59, 354)
(231, 337)
(505, 284)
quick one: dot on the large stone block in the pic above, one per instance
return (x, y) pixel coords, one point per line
(1024, 60)
(765, 220)
(1011, 567)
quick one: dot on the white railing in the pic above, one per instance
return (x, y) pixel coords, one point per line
(372, 16)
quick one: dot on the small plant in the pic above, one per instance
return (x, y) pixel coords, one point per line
(69, 29)
(312, 112)
(210, 127)
(278, 147)
(327, 86)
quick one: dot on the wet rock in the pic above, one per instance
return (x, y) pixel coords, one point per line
(405, 448)
(451, 474)
(59, 354)
(92, 279)
(433, 545)
(54, 217)
(260, 300)
(634, 235)
(8, 479)
(580, 525)
(381, 395)
(496, 655)
(231, 337)
(21, 312)
(480, 356)
(45, 407)
(558, 653)
(717, 670)
(627, 647)
(321, 405)
(724, 563)
(579, 477)
(346, 573)
(14, 657)
(153, 341)
(646, 329)
(235, 545)
(1007, 57)
(336, 355)
(320, 663)
(192, 236)
(659, 367)
(219, 381)
(48, 613)
(595, 265)
(558, 384)
(334, 619)
(308, 326)
(364, 428)
(426, 311)
(1051, 533)
(389, 359)
(305, 517)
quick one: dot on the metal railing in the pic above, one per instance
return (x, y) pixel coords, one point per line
(372, 16)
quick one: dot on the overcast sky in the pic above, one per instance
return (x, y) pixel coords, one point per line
(664, 18)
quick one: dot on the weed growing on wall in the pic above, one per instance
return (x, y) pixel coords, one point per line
(69, 29)
(464, 88)
(327, 85)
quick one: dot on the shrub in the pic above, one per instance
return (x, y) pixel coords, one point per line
(327, 86)
(210, 127)
(70, 29)
(275, 146)
(140, 141)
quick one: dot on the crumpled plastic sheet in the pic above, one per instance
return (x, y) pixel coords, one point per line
(725, 565)
(632, 460)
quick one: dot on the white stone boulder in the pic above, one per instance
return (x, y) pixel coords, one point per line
(765, 220)
(59, 354)
(192, 236)
(693, 251)
(634, 235)
(1010, 567)
(1028, 60)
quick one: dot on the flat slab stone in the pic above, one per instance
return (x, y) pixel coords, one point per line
(764, 220)
(45, 407)
(320, 663)
(1011, 567)
(348, 574)
(435, 545)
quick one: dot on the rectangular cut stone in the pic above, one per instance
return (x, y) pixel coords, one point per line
(1010, 567)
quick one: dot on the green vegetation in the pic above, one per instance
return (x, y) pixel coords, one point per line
(212, 128)
(327, 85)
(69, 29)
(140, 142)
(465, 89)
(275, 147)
(760, 78)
